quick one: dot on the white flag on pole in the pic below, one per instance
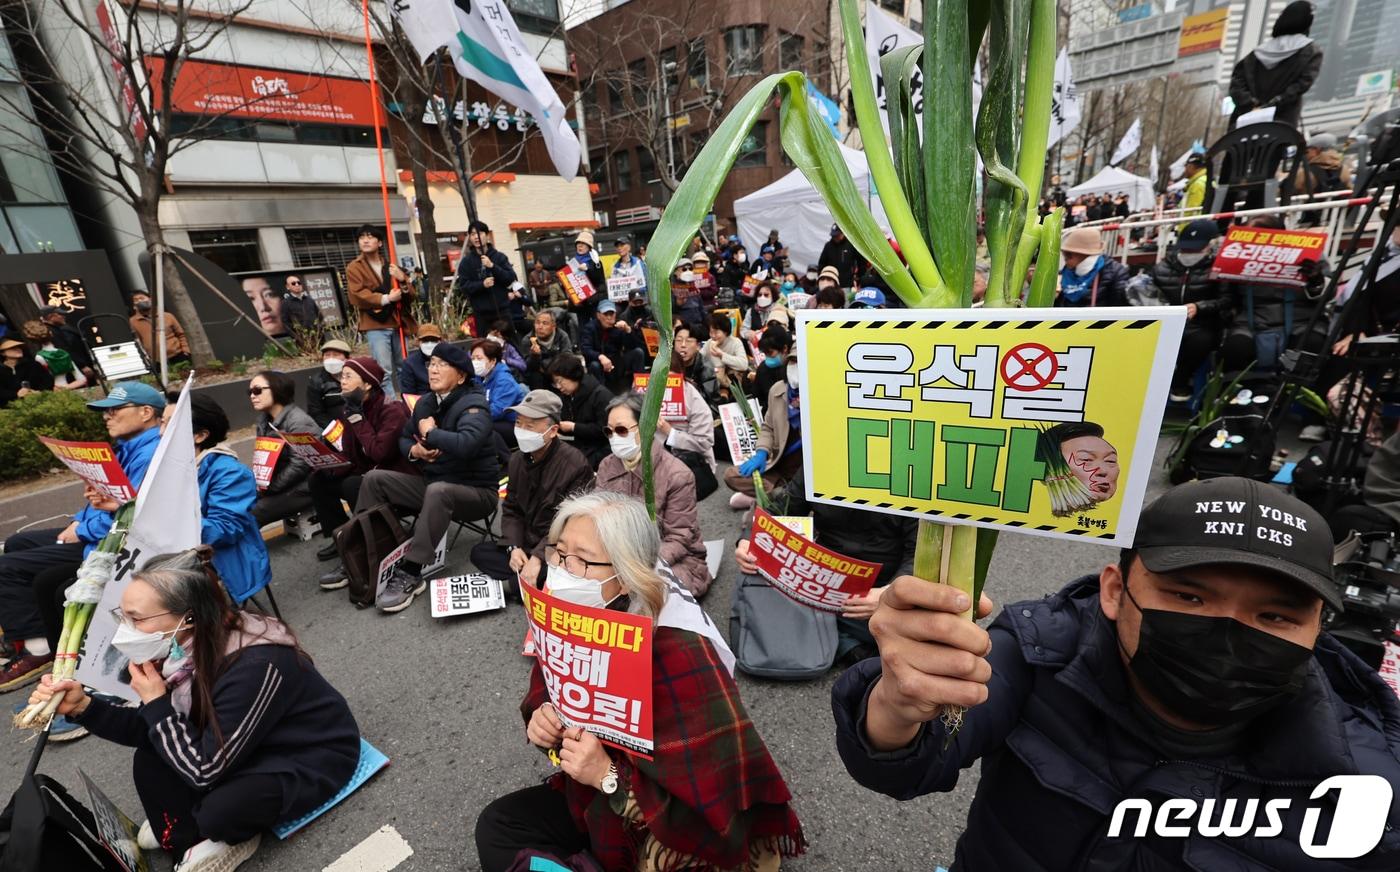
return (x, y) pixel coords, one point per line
(1129, 144)
(883, 34)
(167, 519)
(1064, 106)
(486, 47)
(1155, 169)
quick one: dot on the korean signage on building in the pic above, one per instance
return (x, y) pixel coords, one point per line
(1204, 32)
(205, 88)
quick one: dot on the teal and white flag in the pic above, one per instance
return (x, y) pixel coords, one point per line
(486, 47)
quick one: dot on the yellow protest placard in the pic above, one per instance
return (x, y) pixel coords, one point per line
(1041, 422)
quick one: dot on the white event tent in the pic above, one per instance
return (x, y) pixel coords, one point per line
(1115, 181)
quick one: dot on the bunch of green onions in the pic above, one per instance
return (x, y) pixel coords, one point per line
(98, 568)
(1068, 495)
(927, 184)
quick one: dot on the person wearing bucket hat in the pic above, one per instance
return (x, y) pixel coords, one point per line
(323, 400)
(1088, 278)
(38, 562)
(20, 374)
(586, 260)
(1182, 278)
(484, 276)
(367, 431)
(1194, 665)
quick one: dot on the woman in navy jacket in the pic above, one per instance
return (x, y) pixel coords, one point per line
(236, 731)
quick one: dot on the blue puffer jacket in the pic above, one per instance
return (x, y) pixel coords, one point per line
(134, 454)
(502, 391)
(227, 493)
(1060, 747)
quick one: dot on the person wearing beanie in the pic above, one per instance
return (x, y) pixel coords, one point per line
(381, 292)
(484, 276)
(450, 441)
(368, 434)
(1280, 70)
(323, 400)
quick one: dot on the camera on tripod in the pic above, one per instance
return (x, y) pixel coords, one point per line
(1367, 572)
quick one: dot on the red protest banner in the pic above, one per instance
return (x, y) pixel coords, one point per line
(673, 404)
(312, 449)
(597, 668)
(1268, 257)
(95, 463)
(805, 571)
(576, 283)
(266, 451)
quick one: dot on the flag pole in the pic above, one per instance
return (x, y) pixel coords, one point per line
(383, 174)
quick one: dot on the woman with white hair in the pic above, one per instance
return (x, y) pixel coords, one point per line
(711, 797)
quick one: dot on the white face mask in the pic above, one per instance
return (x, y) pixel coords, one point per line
(427, 348)
(579, 591)
(1087, 265)
(1190, 258)
(479, 367)
(792, 374)
(139, 647)
(528, 440)
(625, 447)
(333, 365)
(764, 302)
(686, 276)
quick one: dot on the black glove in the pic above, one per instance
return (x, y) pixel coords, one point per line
(355, 401)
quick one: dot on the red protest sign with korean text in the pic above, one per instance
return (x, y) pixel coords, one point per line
(805, 571)
(597, 667)
(673, 404)
(576, 283)
(311, 448)
(96, 464)
(1268, 257)
(266, 451)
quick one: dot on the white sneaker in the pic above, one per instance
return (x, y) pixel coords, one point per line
(146, 838)
(741, 501)
(210, 856)
(1312, 433)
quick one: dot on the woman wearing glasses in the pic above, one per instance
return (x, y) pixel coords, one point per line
(676, 513)
(236, 730)
(272, 395)
(711, 797)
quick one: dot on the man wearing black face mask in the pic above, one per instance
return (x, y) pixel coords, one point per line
(1193, 670)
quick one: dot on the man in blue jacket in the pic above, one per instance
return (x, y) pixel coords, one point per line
(37, 563)
(451, 441)
(1120, 720)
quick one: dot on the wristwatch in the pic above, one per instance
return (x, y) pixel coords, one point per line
(609, 785)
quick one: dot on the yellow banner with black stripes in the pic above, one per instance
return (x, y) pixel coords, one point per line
(1039, 421)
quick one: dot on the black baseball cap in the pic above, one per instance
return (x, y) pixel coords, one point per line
(1236, 521)
(1197, 235)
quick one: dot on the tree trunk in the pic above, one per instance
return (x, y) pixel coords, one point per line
(177, 298)
(427, 223)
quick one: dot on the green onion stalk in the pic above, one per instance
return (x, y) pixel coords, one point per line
(928, 186)
(1068, 495)
(98, 568)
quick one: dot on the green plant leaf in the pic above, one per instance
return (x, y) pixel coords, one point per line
(997, 139)
(950, 166)
(898, 69)
(1047, 265)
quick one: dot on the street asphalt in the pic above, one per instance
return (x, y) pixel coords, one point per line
(440, 698)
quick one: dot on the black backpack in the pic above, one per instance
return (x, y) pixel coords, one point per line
(1250, 457)
(44, 828)
(364, 541)
(774, 637)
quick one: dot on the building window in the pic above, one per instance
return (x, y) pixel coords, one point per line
(743, 49)
(670, 69)
(646, 165)
(637, 82)
(598, 170)
(789, 51)
(753, 152)
(247, 130)
(234, 250)
(540, 17)
(697, 64)
(622, 170)
(323, 246)
(610, 79)
(895, 6)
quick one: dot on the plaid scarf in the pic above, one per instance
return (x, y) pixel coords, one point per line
(711, 797)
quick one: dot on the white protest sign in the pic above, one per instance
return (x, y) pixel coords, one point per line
(742, 439)
(386, 566)
(621, 287)
(466, 595)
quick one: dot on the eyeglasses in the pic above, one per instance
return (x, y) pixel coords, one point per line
(621, 431)
(121, 617)
(572, 563)
(109, 413)
(256, 391)
(295, 284)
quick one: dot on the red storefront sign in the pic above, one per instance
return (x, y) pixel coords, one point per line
(204, 88)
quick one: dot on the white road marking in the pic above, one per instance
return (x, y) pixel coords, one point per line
(382, 851)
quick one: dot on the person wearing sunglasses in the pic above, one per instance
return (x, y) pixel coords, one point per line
(272, 394)
(301, 317)
(676, 514)
(236, 731)
(37, 563)
(710, 796)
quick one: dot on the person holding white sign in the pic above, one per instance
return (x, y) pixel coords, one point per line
(711, 797)
(628, 266)
(236, 730)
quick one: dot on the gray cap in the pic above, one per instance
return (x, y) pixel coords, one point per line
(1323, 140)
(540, 404)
